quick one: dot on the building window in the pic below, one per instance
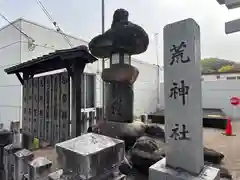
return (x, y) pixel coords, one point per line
(115, 58)
(231, 78)
(88, 90)
(82, 91)
(126, 58)
(106, 63)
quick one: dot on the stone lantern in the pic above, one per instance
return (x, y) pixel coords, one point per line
(119, 43)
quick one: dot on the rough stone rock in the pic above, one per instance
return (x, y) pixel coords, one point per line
(120, 73)
(129, 132)
(136, 175)
(155, 130)
(150, 149)
(125, 167)
(143, 160)
(212, 156)
(90, 129)
(224, 173)
(146, 152)
(146, 143)
(149, 143)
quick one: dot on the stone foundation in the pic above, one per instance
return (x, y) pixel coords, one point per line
(160, 171)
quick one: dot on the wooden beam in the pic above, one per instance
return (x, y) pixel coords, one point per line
(20, 78)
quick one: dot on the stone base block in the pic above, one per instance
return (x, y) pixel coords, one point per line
(90, 155)
(39, 168)
(160, 171)
(21, 159)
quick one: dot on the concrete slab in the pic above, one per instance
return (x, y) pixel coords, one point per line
(160, 171)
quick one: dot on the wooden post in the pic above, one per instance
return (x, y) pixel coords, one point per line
(76, 122)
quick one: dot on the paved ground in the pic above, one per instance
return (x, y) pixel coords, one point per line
(228, 145)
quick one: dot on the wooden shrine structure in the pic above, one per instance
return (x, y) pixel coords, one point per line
(46, 99)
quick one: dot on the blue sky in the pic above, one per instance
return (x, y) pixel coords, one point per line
(82, 18)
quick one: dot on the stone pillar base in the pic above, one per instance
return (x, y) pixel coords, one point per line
(160, 171)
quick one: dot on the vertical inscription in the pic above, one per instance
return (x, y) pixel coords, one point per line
(64, 106)
(30, 105)
(178, 55)
(120, 102)
(116, 105)
(55, 108)
(35, 108)
(25, 107)
(48, 104)
(41, 112)
(179, 90)
(183, 96)
(180, 132)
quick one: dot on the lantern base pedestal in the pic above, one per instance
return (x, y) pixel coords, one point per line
(160, 171)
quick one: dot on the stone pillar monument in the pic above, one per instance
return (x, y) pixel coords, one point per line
(183, 106)
(121, 41)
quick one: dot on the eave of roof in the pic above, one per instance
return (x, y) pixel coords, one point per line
(53, 61)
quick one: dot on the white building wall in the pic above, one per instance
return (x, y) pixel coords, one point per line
(217, 94)
(9, 86)
(145, 88)
(14, 49)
